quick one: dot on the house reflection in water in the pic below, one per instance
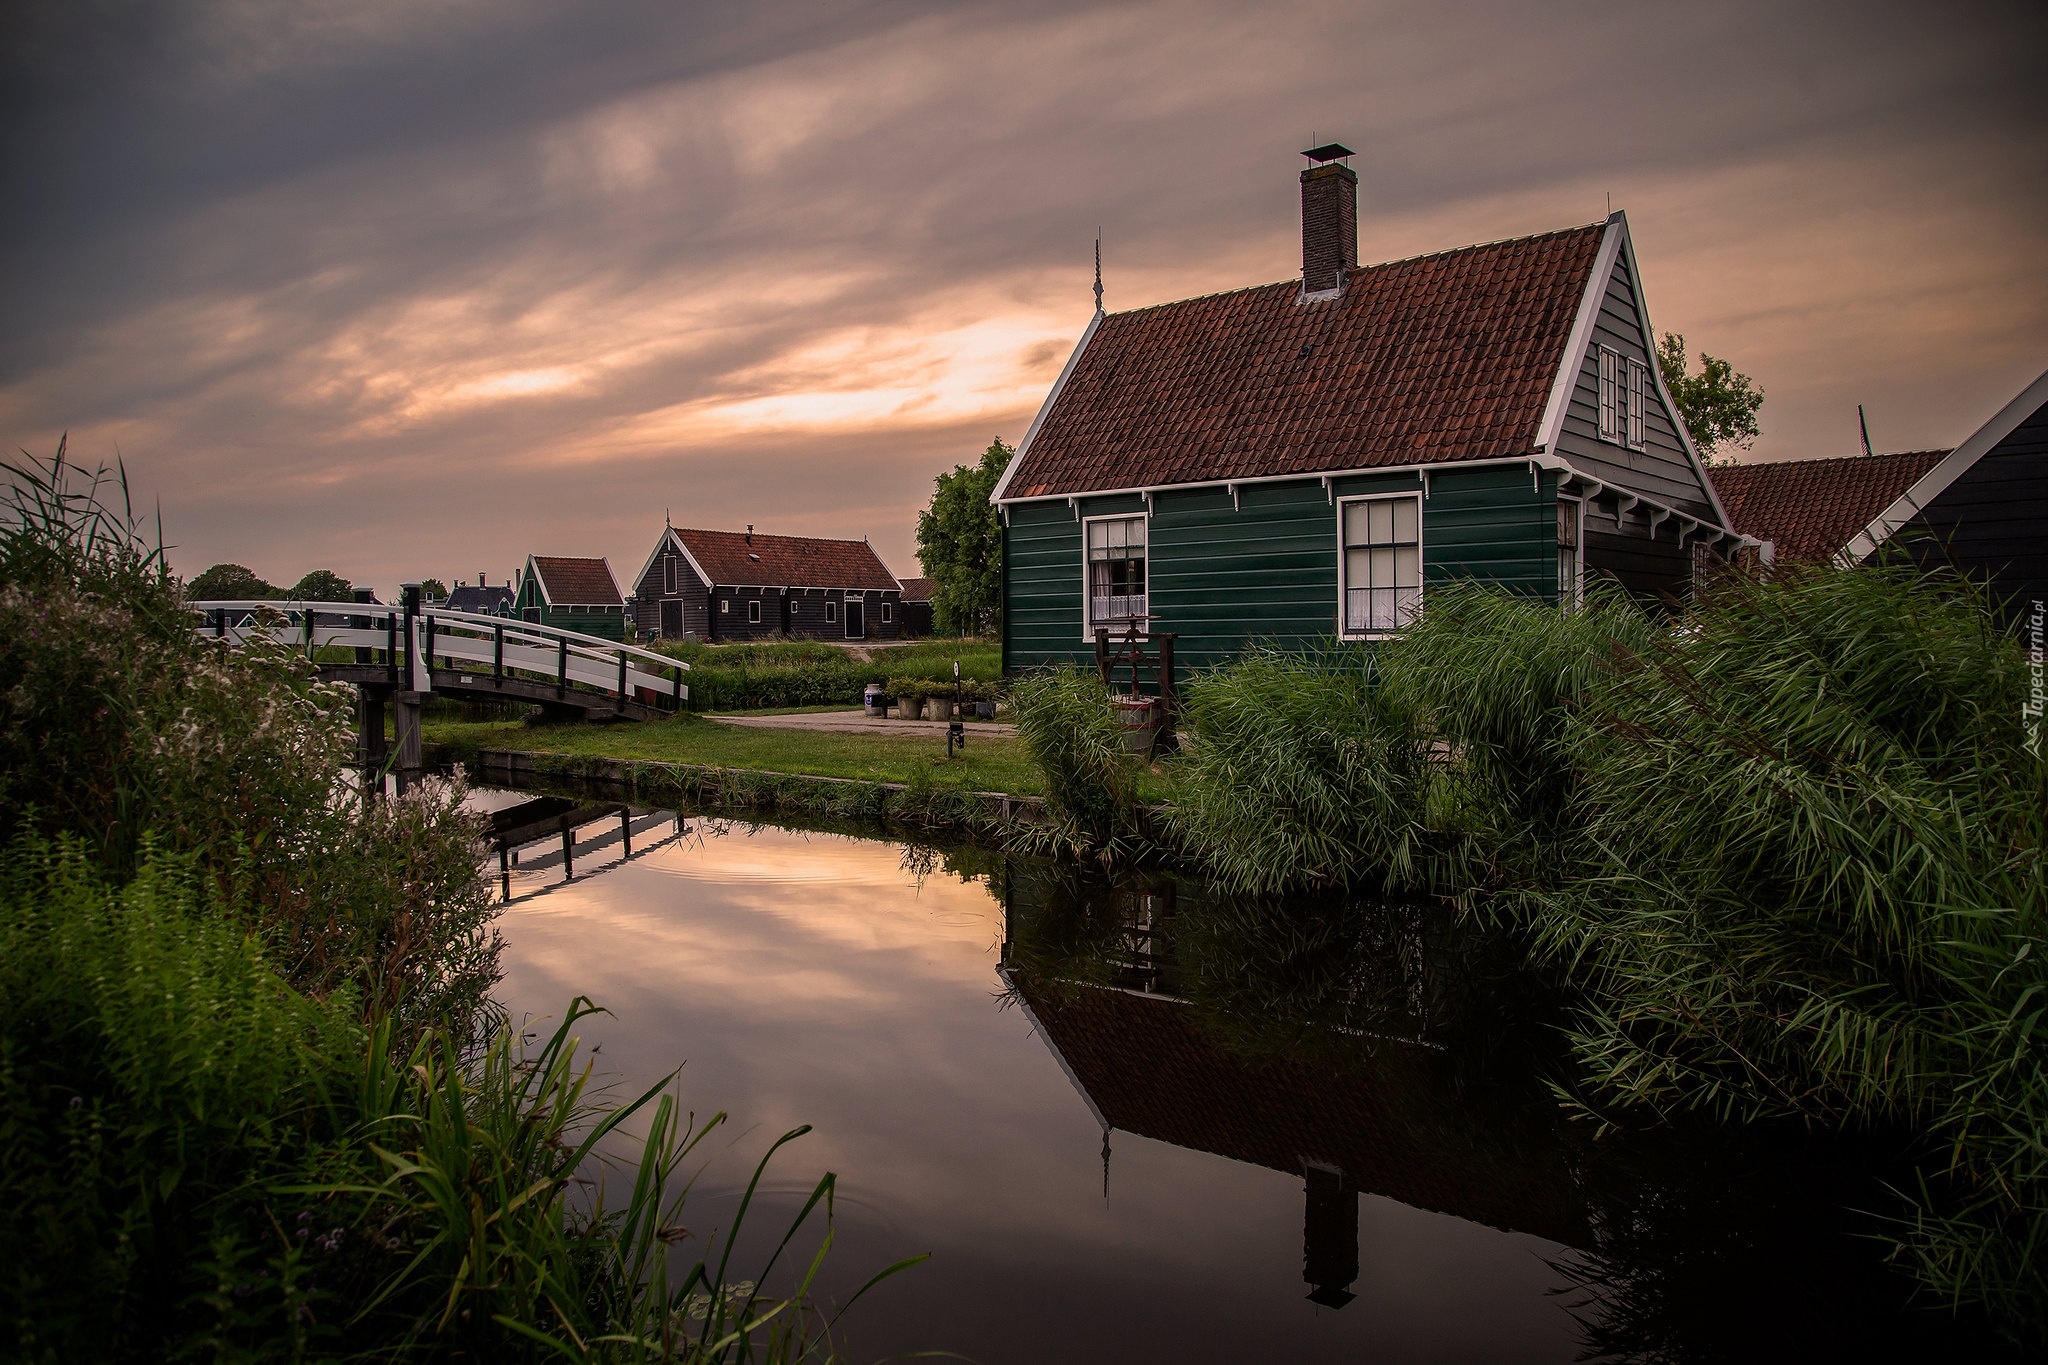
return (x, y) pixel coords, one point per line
(1360, 1101)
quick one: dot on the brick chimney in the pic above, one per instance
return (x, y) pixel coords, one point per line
(1329, 219)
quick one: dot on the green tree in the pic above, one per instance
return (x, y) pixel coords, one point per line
(322, 585)
(228, 583)
(960, 543)
(1717, 405)
(433, 590)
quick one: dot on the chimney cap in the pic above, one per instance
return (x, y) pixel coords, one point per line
(1329, 151)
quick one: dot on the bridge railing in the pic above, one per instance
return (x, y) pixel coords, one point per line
(411, 645)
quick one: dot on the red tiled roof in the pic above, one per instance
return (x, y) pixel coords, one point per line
(918, 589)
(574, 582)
(1811, 508)
(1149, 1069)
(1435, 358)
(734, 560)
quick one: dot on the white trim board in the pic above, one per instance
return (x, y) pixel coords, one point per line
(1618, 245)
(1951, 467)
(995, 496)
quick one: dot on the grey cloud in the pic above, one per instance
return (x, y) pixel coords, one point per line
(222, 209)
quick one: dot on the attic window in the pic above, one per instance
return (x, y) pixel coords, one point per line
(668, 573)
(1610, 394)
(1638, 384)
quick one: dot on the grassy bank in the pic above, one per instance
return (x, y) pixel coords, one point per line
(784, 673)
(255, 1100)
(989, 763)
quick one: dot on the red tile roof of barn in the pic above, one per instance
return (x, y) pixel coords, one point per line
(767, 561)
(1811, 508)
(576, 582)
(1148, 1067)
(1443, 357)
(918, 589)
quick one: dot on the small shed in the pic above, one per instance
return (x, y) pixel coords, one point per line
(572, 593)
(480, 600)
(917, 607)
(741, 585)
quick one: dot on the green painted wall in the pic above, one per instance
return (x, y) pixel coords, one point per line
(605, 625)
(1222, 577)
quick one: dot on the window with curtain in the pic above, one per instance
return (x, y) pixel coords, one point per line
(1382, 563)
(1116, 570)
(1570, 579)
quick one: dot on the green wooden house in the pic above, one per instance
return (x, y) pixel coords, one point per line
(573, 594)
(1304, 461)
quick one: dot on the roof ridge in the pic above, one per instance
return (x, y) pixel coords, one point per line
(1364, 269)
(1826, 459)
(766, 535)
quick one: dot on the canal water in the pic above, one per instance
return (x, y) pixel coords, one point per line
(1133, 1120)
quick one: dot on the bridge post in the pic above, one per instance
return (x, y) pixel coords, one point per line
(371, 744)
(406, 710)
(622, 680)
(409, 593)
(362, 623)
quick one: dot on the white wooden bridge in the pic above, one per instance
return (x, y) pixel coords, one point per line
(405, 654)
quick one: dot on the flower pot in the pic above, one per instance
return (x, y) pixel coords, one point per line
(984, 710)
(908, 708)
(938, 708)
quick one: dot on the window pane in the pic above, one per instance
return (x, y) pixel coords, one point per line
(1134, 533)
(1098, 533)
(1380, 520)
(1407, 567)
(1358, 568)
(1382, 609)
(1354, 523)
(1407, 602)
(1404, 520)
(1382, 568)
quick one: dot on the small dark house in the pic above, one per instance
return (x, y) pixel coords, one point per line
(1305, 460)
(572, 593)
(917, 607)
(1981, 508)
(737, 585)
(482, 600)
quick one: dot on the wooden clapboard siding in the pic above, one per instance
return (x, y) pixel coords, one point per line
(1662, 469)
(1224, 576)
(1990, 522)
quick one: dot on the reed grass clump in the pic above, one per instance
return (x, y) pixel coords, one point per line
(1064, 718)
(1307, 772)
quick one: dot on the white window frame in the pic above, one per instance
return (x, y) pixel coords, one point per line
(1344, 565)
(668, 575)
(1578, 584)
(831, 611)
(1638, 405)
(1119, 626)
(725, 606)
(888, 612)
(1610, 394)
(753, 611)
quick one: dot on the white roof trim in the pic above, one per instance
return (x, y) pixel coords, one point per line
(995, 496)
(1699, 466)
(1618, 245)
(668, 534)
(1575, 349)
(1952, 466)
(540, 581)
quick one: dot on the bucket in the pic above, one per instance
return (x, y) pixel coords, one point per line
(1139, 718)
(873, 702)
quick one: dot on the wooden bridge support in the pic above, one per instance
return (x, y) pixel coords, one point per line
(406, 711)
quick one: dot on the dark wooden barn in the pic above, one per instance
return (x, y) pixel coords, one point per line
(740, 585)
(1981, 508)
(917, 607)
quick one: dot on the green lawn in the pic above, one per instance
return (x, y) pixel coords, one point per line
(979, 659)
(990, 763)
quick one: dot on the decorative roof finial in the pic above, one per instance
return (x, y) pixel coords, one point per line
(1098, 270)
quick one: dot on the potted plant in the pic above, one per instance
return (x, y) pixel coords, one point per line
(908, 697)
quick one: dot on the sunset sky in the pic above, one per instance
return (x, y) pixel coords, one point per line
(410, 289)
